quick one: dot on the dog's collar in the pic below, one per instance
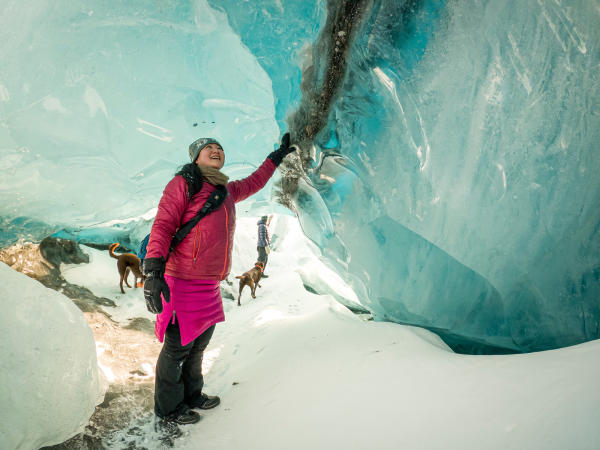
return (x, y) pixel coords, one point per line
(261, 268)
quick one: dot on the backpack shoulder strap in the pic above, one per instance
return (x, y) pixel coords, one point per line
(212, 204)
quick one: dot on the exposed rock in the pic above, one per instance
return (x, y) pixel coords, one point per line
(29, 259)
(56, 251)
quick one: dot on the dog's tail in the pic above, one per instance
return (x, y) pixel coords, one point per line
(240, 277)
(111, 250)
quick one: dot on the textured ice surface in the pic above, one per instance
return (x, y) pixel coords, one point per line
(99, 102)
(279, 34)
(48, 370)
(454, 184)
(463, 193)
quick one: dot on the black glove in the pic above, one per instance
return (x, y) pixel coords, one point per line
(155, 284)
(283, 150)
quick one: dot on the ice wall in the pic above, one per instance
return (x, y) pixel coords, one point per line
(456, 179)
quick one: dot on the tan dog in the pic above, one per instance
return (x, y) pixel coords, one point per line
(251, 278)
(127, 262)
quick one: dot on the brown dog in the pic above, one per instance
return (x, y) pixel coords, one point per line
(127, 262)
(251, 278)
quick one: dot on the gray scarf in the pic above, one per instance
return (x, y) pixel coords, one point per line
(214, 176)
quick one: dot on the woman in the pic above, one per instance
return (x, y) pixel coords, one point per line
(191, 304)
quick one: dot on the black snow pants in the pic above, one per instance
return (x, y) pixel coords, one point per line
(263, 256)
(179, 378)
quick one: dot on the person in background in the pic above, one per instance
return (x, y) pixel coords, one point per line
(183, 287)
(141, 254)
(264, 243)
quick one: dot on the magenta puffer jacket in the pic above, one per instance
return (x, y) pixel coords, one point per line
(205, 253)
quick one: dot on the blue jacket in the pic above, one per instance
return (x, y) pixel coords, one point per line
(263, 235)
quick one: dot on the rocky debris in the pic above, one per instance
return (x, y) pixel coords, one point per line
(141, 324)
(323, 76)
(29, 259)
(56, 251)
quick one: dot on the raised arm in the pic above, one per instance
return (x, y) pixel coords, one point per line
(242, 189)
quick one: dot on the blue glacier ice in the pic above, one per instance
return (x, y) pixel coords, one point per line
(451, 177)
(98, 101)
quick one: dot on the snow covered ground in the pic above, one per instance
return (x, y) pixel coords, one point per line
(296, 370)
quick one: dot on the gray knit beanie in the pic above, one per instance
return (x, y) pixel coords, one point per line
(198, 145)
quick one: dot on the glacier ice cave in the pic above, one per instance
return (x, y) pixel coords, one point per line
(449, 150)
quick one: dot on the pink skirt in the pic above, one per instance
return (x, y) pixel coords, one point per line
(197, 304)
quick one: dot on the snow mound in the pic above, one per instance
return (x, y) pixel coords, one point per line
(48, 370)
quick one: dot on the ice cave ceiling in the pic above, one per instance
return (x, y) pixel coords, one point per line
(449, 149)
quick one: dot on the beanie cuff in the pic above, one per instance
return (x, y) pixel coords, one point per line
(198, 145)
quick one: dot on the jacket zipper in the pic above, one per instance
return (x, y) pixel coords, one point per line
(196, 251)
(227, 241)
(173, 316)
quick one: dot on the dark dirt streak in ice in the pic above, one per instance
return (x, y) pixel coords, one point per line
(322, 78)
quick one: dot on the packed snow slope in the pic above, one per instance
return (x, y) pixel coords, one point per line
(450, 178)
(297, 370)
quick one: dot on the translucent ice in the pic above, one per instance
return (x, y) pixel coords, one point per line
(464, 192)
(48, 369)
(98, 103)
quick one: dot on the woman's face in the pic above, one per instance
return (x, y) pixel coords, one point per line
(211, 155)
